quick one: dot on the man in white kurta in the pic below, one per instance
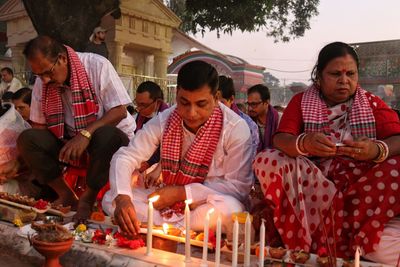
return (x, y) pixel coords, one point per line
(79, 119)
(226, 185)
(8, 82)
(225, 189)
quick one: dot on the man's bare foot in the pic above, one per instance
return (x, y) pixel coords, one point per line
(85, 205)
(66, 195)
(71, 201)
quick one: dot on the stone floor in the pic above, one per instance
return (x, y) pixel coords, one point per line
(15, 251)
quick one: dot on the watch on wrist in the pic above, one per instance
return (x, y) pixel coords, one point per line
(86, 134)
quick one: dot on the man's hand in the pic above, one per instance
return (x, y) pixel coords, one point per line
(169, 195)
(73, 149)
(125, 215)
(144, 166)
(154, 178)
(8, 170)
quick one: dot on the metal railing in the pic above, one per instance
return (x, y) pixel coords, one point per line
(131, 82)
(168, 85)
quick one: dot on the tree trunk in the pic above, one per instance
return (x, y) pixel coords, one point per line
(69, 21)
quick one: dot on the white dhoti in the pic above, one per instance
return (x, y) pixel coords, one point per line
(223, 205)
(388, 249)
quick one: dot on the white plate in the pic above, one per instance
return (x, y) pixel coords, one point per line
(25, 207)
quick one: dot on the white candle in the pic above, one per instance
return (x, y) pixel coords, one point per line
(165, 228)
(357, 257)
(248, 241)
(205, 240)
(235, 242)
(218, 243)
(187, 230)
(150, 224)
(262, 244)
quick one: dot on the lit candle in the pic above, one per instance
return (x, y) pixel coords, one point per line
(150, 224)
(205, 240)
(165, 228)
(235, 242)
(187, 230)
(247, 241)
(218, 243)
(357, 257)
(262, 243)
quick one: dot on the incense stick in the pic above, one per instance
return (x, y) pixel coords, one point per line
(326, 237)
(333, 236)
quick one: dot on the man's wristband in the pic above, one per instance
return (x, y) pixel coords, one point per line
(86, 134)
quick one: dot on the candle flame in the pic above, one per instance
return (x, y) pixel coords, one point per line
(165, 228)
(210, 211)
(154, 198)
(188, 201)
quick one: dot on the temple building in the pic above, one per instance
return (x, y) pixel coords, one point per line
(380, 66)
(243, 74)
(145, 43)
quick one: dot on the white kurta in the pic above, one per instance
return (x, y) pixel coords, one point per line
(225, 188)
(12, 86)
(108, 87)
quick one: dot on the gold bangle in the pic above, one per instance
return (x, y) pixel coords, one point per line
(383, 151)
(86, 134)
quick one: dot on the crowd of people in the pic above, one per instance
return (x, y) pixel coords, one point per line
(325, 172)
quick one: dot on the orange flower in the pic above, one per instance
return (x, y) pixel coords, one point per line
(97, 216)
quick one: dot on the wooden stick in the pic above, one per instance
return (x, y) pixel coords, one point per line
(326, 237)
(334, 236)
(180, 239)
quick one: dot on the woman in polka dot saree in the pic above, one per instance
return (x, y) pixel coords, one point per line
(323, 177)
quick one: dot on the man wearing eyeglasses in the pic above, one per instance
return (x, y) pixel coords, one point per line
(149, 101)
(76, 104)
(260, 110)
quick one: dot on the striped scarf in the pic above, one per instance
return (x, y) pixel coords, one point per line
(84, 102)
(315, 114)
(193, 167)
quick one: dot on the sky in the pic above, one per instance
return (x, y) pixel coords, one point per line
(350, 21)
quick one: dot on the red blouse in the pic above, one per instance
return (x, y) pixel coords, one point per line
(386, 120)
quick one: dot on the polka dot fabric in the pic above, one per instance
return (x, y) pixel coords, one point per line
(358, 197)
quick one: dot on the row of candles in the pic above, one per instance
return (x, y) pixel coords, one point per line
(235, 238)
(235, 242)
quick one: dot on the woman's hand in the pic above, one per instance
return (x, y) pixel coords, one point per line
(360, 149)
(317, 144)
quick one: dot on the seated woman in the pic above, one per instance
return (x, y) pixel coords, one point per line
(334, 178)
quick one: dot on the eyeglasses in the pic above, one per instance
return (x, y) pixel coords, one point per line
(253, 104)
(141, 106)
(48, 73)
